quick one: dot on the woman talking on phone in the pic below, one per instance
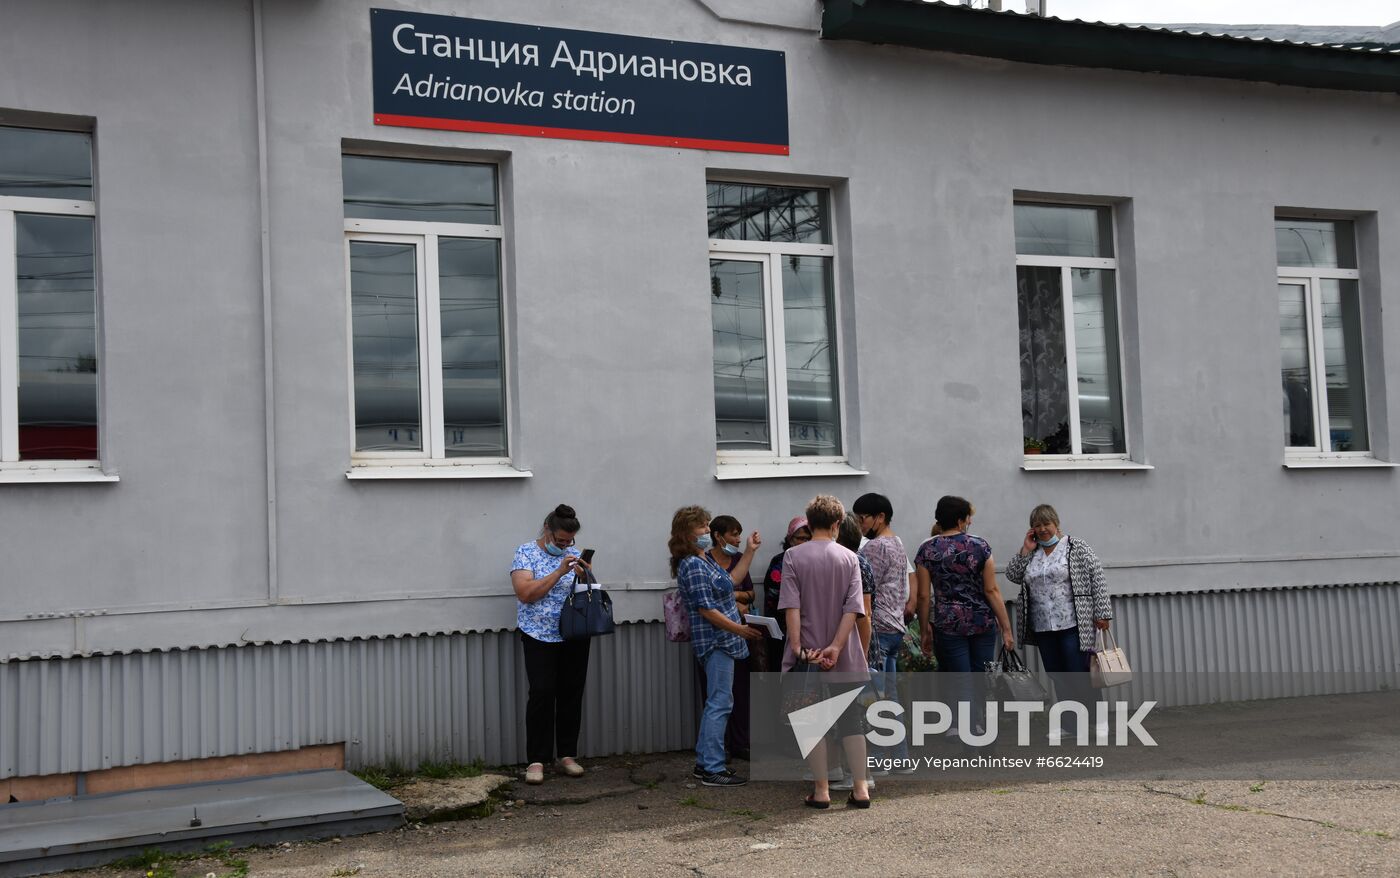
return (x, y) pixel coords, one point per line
(1064, 597)
(543, 577)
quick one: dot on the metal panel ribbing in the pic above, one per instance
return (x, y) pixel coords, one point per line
(1204, 647)
(403, 699)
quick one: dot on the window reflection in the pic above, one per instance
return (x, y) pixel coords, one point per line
(1297, 373)
(45, 164)
(741, 355)
(777, 214)
(810, 349)
(473, 392)
(1096, 362)
(1315, 243)
(57, 306)
(384, 317)
(1061, 230)
(419, 190)
(1341, 349)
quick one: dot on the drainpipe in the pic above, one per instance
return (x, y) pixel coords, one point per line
(269, 372)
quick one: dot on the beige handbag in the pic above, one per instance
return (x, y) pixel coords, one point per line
(1109, 665)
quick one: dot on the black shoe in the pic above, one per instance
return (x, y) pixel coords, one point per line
(724, 778)
(698, 773)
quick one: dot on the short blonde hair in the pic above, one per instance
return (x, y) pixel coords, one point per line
(1044, 514)
(824, 511)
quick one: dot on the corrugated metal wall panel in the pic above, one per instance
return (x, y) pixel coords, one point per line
(1277, 642)
(394, 700)
(463, 696)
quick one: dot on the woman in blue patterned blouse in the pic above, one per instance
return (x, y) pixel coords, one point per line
(543, 577)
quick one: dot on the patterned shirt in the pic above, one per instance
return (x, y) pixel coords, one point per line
(890, 565)
(540, 619)
(704, 585)
(955, 565)
(1051, 600)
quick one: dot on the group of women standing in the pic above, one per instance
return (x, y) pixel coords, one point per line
(843, 589)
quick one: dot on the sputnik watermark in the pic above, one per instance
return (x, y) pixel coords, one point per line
(930, 718)
(978, 723)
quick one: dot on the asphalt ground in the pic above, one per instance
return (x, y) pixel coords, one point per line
(645, 816)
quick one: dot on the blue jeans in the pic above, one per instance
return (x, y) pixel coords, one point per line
(719, 702)
(1068, 667)
(966, 655)
(886, 686)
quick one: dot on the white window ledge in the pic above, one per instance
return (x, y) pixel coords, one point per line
(28, 474)
(726, 470)
(436, 470)
(1335, 463)
(1041, 463)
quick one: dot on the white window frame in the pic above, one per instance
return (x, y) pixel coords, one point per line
(779, 454)
(432, 461)
(1308, 279)
(12, 469)
(1065, 264)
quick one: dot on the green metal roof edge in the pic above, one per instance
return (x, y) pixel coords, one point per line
(1034, 40)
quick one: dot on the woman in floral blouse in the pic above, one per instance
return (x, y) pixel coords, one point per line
(1064, 598)
(956, 568)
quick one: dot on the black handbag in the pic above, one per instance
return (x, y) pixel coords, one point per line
(586, 613)
(1009, 680)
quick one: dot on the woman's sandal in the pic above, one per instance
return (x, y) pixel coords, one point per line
(813, 803)
(853, 802)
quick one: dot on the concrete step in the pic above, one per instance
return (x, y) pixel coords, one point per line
(69, 833)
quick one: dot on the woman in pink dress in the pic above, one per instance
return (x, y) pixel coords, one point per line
(821, 597)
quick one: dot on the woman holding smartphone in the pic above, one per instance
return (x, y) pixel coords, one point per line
(543, 577)
(1064, 598)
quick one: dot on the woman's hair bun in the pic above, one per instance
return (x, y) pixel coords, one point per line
(563, 510)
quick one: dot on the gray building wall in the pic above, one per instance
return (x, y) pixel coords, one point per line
(606, 247)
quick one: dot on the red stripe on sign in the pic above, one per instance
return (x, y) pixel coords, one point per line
(579, 134)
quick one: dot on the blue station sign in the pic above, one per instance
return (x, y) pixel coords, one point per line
(467, 74)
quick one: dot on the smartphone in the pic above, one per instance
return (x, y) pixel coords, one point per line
(587, 556)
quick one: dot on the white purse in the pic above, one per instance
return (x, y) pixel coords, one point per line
(1109, 665)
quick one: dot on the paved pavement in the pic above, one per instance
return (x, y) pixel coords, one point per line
(644, 816)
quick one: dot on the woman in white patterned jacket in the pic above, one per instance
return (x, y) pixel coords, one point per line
(1063, 599)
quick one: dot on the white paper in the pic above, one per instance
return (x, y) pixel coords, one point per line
(765, 622)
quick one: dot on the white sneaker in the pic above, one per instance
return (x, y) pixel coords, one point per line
(534, 773)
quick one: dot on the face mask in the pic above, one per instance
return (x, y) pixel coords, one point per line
(732, 550)
(553, 549)
(705, 543)
(1045, 544)
(871, 534)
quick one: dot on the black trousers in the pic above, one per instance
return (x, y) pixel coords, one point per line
(557, 673)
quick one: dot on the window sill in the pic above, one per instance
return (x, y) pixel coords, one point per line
(727, 470)
(1335, 463)
(33, 474)
(436, 470)
(1039, 463)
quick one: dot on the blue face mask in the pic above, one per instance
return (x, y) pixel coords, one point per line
(732, 550)
(1045, 544)
(705, 543)
(553, 549)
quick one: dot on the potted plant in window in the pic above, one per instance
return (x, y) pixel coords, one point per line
(1033, 446)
